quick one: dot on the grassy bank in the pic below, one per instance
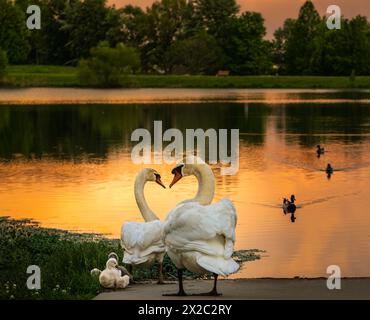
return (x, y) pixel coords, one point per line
(65, 260)
(59, 76)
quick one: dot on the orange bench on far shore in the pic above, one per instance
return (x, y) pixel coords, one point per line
(223, 73)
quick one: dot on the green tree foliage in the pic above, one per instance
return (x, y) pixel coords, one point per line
(186, 36)
(359, 30)
(49, 44)
(301, 44)
(216, 16)
(3, 63)
(107, 65)
(240, 37)
(247, 51)
(199, 54)
(13, 32)
(126, 26)
(87, 23)
(281, 36)
(307, 46)
(165, 24)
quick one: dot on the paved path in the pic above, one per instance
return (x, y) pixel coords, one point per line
(352, 288)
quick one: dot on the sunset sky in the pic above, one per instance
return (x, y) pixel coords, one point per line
(276, 11)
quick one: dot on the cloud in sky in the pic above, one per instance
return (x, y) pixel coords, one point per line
(276, 11)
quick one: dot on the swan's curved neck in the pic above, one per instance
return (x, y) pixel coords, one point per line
(206, 184)
(147, 214)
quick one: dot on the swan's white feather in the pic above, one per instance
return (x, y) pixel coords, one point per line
(218, 265)
(202, 237)
(142, 241)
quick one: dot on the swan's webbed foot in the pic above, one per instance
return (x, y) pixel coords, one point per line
(213, 292)
(181, 292)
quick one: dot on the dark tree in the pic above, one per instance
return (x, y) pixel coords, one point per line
(166, 23)
(199, 54)
(49, 44)
(360, 44)
(87, 23)
(301, 43)
(246, 50)
(281, 36)
(131, 27)
(216, 16)
(13, 32)
(3, 63)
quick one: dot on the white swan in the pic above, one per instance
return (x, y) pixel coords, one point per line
(142, 241)
(201, 237)
(203, 173)
(111, 278)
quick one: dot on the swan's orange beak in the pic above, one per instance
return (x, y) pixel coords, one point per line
(177, 176)
(159, 181)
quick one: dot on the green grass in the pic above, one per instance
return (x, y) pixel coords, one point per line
(41, 76)
(65, 260)
(60, 76)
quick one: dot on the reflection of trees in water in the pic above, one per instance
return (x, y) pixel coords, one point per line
(72, 131)
(64, 131)
(313, 121)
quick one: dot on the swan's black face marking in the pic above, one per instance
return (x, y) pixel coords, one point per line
(177, 172)
(177, 169)
(158, 180)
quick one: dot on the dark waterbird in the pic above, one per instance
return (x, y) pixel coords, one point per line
(329, 170)
(320, 150)
(289, 206)
(292, 218)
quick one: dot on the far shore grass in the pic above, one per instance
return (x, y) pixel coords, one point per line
(66, 77)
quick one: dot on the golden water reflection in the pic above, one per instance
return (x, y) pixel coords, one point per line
(87, 184)
(98, 197)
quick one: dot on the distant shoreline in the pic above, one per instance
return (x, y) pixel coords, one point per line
(150, 96)
(28, 76)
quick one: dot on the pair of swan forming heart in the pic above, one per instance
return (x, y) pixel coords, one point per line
(197, 235)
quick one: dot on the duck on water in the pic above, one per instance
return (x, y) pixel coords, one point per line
(320, 150)
(289, 206)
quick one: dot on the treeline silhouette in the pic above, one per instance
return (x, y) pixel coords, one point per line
(186, 37)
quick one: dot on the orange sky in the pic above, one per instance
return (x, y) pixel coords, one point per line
(276, 11)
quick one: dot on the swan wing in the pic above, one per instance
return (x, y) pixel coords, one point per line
(207, 229)
(141, 234)
(140, 239)
(218, 265)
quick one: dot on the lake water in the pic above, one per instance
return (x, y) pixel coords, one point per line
(65, 160)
